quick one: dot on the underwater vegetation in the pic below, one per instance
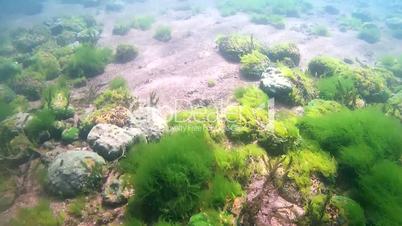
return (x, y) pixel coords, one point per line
(38, 215)
(163, 33)
(171, 179)
(87, 61)
(143, 22)
(125, 53)
(359, 140)
(253, 65)
(351, 85)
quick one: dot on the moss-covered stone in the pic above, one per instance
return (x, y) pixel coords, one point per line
(309, 162)
(70, 135)
(303, 90)
(115, 97)
(253, 65)
(16, 151)
(287, 53)
(372, 84)
(281, 138)
(125, 53)
(323, 66)
(233, 47)
(115, 115)
(245, 124)
(318, 107)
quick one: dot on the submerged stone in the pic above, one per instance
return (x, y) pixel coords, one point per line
(150, 122)
(75, 172)
(111, 141)
(275, 84)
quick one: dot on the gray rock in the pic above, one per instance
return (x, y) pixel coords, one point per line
(75, 172)
(111, 141)
(115, 193)
(150, 122)
(275, 84)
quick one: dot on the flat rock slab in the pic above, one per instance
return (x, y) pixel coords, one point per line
(111, 141)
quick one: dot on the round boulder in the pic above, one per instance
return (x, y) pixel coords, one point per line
(75, 172)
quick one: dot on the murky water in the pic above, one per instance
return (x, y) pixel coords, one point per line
(102, 103)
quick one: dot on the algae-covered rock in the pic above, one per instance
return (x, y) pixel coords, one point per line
(317, 108)
(287, 53)
(111, 141)
(70, 135)
(235, 46)
(75, 172)
(372, 84)
(245, 124)
(89, 35)
(323, 66)
(19, 150)
(15, 147)
(282, 137)
(14, 125)
(125, 53)
(306, 165)
(253, 65)
(116, 97)
(119, 116)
